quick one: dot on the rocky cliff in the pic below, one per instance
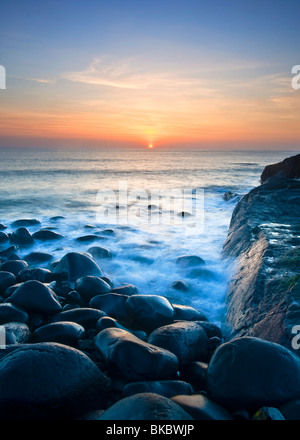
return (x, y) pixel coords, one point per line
(263, 241)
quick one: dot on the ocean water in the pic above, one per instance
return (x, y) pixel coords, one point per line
(132, 202)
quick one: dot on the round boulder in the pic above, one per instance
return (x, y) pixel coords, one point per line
(250, 373)
(112, 304)
(67, 333)
(167, 388)
(149, 311)
(45, 235)
(49, 380)
(7, 279)
(201, 408)
(84, 316)
(14, 266)
(10, 313)
(77, 265)
(21, 236)
(90, 286)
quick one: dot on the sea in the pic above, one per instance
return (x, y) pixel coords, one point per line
(147, 207)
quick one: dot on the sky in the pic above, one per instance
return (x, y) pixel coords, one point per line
(130, 73)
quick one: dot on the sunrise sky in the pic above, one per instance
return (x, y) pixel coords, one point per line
(170, 73)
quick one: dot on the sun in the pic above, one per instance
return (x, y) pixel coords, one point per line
(150, 146)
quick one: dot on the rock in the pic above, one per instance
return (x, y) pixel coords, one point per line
(7, 279)
(99, 253)
(287, 169)
(201, 408)
(108, 322)
(76, 265)
(16, 333)
(38, 257)
(180, 285)
(11, 313)
(187, 313)
(186, 261)
(86, 317)
(9, 251)
(267, 413)
(187, 340)
(263, 293)
(134, 359)
(34, 296)
(25, 222)
(229, 195)
(250, 373)
(90, 286)
(112, 304)
(14, 266)
(195, 373)
(37, 274)
(21, 237)
(67, 333)
(167, 388)
(149, 311)
(50, 381)
(3, 237)
(128, 290)
(45, 235)
(89, 238)
(145, 406)
(291, 410)
(2, 227)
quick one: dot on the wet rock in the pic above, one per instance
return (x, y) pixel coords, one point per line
(291, 410)
(3, 237)
(21, 237)
(167, 388)
(10, 313)
(201, 408)
(89, 238)
(180, 285)
(14, 266)
(99, 253)
(67, 333)
(128, 290)
(134, 359)
(90, 286)
(108, 322)
(86, 317)
(250, 373)
(186, 339)
(149, 311)
(46, 235)
(112, 304)
(7, 279)
(34, 296)
(289, 168)
(186, 261)
(38, 257)
(9, 251)
(77, 265)
(195, 373)
(2, 227)
(145, 406)
(50, 381)
(37, 274)
(229, 195)
(16, 333)
(187, 313)
(25, 222)
(267, 413)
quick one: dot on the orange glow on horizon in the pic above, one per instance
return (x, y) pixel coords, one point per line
(150, 146)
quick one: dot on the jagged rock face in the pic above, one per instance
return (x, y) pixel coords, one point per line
(289, 168)
(263, 240)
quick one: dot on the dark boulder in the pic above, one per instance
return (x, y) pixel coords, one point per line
(10, 313)
(34, 296)
(108, 322)
(186, 261)
(99, 253)
(133, 358)
(201, 408)
(7, 279)
(25, 222)
(37, 274)
(46, 234)
(145, 406)
(21, 236)
(186, 339)
(112, 304)
(128, 289)
(195, 373)
(14, 266)
(77, 265)
(187, 313)
(3, 237)
(90, 286)
(38, 257)
(289, 168)
(149, 311)
(180, 285)
(50, 381)
(167, 388)
(86, 317)
(250, 373)
(67, 333)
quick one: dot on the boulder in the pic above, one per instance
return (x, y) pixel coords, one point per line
(14, 266)
(11, 313)
(108, 322)
(7, 279)
(133, 358)
(251, 373)
(25, 222)
(90, 286)
(34, 296)
(3, 237)
(37, 274)
(99, 252)
(167, 388)
(201, 408)
(84, 316)
(186, 339)
(38, 257)
(186, 261)
(289, 168)
(46, 235)
(112, 304)
(21, 236)
(149, 311)
(145, 406)
(187, 313)
(195, 373)
(76, 265)
(67, 333)
(128, 289)
(50, 381)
